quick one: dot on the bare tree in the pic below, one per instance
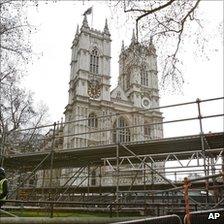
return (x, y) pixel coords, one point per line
(17, 112)
(16, 104)
(15, 48)
(168, 23)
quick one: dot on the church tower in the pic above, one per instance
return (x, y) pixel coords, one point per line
(89, 85)
(138, 86)
(90, 61)
(138, 73)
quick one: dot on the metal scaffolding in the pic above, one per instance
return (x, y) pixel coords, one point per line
(121, 176)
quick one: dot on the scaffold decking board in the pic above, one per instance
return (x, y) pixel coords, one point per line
(93, 155)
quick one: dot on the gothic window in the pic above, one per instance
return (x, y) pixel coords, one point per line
(144, 76)
(93, 121)
(123, 134)
(94, 61)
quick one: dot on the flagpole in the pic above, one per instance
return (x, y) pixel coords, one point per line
(92, 18)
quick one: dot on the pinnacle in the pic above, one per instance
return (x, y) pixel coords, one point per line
(77, 30)
(85, 22)
(106, 29)
(133, 39)
(122, 46)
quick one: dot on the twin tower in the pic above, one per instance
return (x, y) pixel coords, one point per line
(90, 95)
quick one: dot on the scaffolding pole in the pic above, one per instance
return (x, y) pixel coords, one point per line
(203, 149)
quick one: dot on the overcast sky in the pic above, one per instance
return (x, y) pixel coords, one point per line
(56, 25)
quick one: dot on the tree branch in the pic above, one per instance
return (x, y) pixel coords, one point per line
(151, 12)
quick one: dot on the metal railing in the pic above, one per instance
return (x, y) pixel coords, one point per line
(123, 136)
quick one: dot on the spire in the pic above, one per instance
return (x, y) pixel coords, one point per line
(122, 46)
(77, 30)
(85, 22)
(106, 29)
(57, 127)
(133, 39)
(76, 34)
(151, 39)
(61, 124)
(152, 48)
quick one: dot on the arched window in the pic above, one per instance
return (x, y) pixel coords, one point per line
(94, 61)
(144, 77)
(93, 121)
(121, 135)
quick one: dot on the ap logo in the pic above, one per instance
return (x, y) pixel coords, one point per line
(214, 215)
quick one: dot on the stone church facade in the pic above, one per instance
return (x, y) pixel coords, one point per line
(90, 96)
(91, 100)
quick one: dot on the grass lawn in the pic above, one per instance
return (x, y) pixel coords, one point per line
(67, 214)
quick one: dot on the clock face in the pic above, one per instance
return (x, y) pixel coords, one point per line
(94, 89)
(145, 103)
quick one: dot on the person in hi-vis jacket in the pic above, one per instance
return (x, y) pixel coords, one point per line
(3, 187)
